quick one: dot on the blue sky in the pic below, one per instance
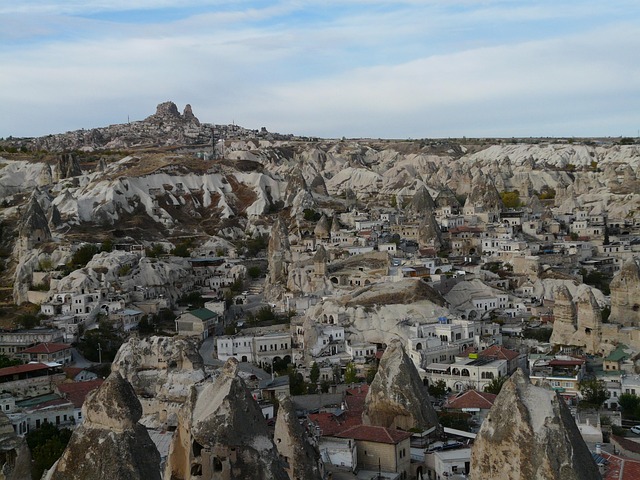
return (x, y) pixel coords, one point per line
(362, 68)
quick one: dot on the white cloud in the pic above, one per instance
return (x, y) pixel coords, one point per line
(376, 71)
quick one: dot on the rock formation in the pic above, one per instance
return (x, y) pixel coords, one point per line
(34, 227)
(421, 203)
(222, 434)
(625, 294)
(67, 166)
(323, 228)
(110, 444)
(279, 258)
(15, 457)
(162, 371)
(578, 321)
(429, 234)
(302, 458)
(397, 397)
(530, 433)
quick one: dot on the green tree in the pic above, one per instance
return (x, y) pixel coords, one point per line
(324, 386)
(495, 385)
(254, 272)
(438, 389)
(154, 251)
(83, 255)
(46, 444)
(350, 373)
(8, 362)
(314, 375)
(371, 373)
(594, 391)
(629, 404)
(296, 382)
(182, 249)
(511, 199)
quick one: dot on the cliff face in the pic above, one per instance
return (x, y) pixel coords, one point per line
(162, 371)
(223, 434)
(110, 444)
(302, 458)
(578, 320)
(530, 433)
(625, 294)
(397, 397)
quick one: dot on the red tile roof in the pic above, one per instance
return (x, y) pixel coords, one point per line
(621, 468)
(471, 399)
(498, 351)
(72, 371)
(76, 392)
(331, 424)
(47, 348)
(17, 369)
(370, 433)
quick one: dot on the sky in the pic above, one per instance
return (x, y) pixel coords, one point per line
(359, 68)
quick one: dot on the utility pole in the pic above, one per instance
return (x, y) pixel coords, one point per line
(99, 353)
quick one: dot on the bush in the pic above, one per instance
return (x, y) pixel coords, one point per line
(46, 444)
(83, 255)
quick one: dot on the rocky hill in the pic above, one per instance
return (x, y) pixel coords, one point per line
(158, 179)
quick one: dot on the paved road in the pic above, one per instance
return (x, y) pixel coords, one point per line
(79, 361)
(207, 352)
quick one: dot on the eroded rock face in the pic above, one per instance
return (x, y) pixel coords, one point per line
(34, 225)
(530, 433)
(429, 234)
(15, 457)
(578, 322)
(397, 397)
(223, 434)
(279, 258)
(162, 371)
(68, 166)
(110, 444)
(421, 202)
(293, 445)
(625, 294)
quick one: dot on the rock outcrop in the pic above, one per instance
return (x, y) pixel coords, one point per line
(162, 371)
(279, 259)
(34, 227)
(530, 433)
(15, 457)
(578, 321)
(302, 458)
(397, 397)
(67, 166)
(429, 234)
(223, 434)
(422, 202)
(625, 294)
(110, 444)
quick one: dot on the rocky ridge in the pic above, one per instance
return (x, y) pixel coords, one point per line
(530, 433)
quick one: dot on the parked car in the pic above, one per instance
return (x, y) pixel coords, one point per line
(636, 429)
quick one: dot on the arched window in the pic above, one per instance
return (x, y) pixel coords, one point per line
(419, 346)
(465, 372)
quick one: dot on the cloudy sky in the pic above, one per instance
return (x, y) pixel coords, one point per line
(392, 69)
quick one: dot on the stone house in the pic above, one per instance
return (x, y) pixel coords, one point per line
(47, 353)
(474, 373)
(196, 323)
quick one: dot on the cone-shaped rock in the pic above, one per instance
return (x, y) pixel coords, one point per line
(484, 194)
(625, 294)
(110, 444)
(68, 166)
(446, 198)
(295, 185)
(397, 398)
(421, 202)
(223, 434)
(530, 433)
(318, 185)
(429, 234)
(323, 227)
(278, 253)
(293, 445)
(34, 225)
